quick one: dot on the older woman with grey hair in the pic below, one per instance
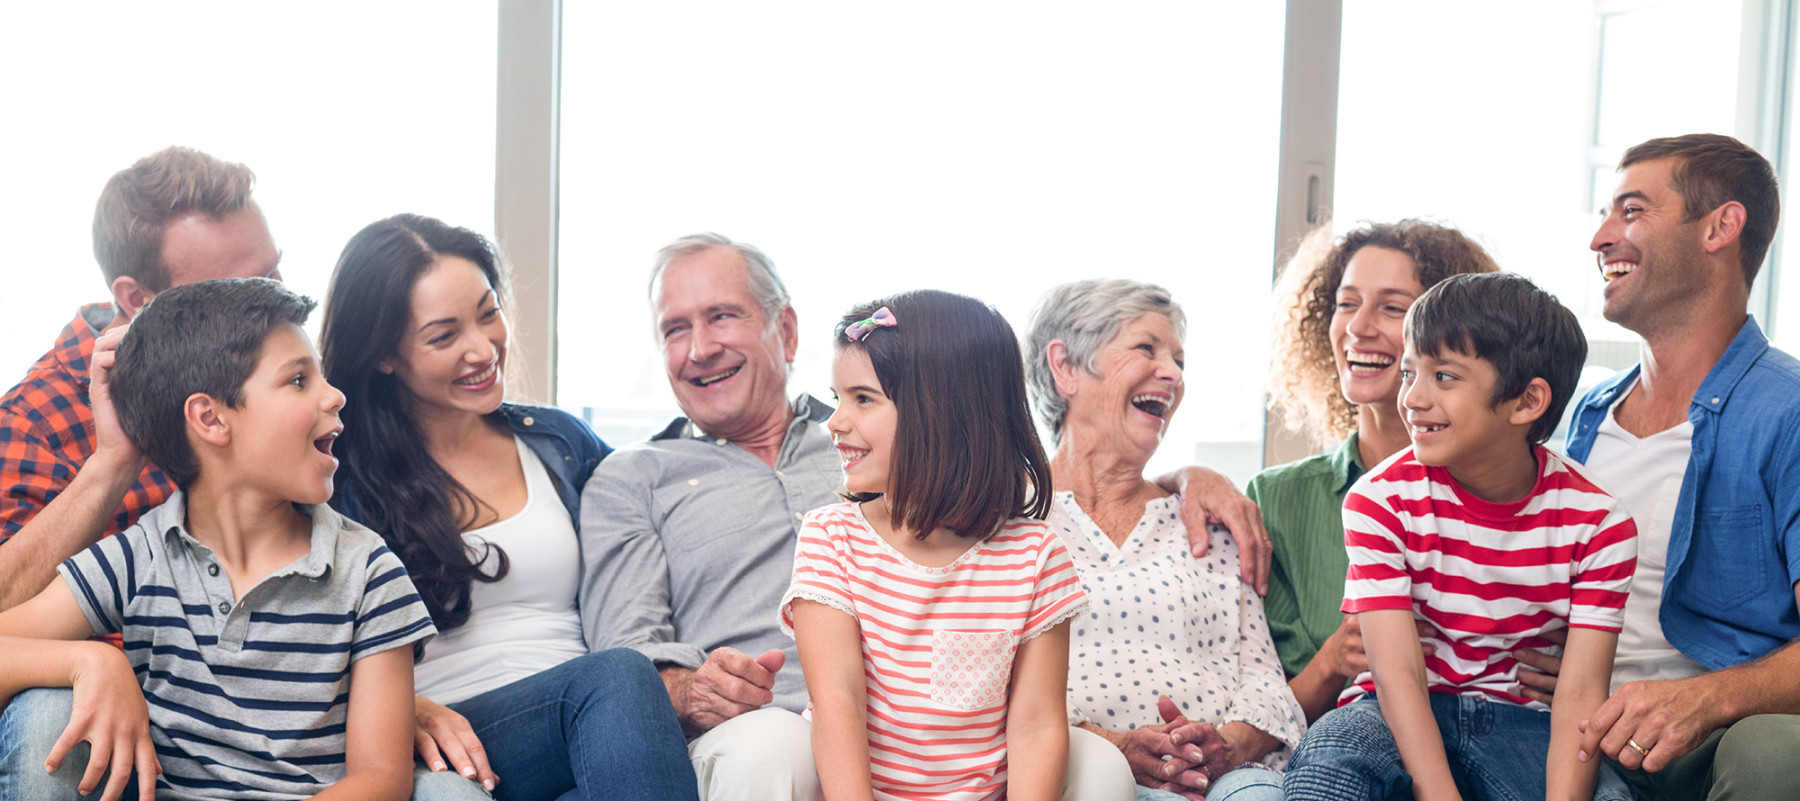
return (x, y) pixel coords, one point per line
(1173, 663)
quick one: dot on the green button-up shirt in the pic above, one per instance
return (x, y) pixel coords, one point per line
(1302, 506)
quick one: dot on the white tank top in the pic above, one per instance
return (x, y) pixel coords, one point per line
(525, 623)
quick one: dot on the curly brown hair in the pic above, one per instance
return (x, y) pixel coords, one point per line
(1303, 380)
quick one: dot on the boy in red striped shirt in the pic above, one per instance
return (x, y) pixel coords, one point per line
(1496, 542)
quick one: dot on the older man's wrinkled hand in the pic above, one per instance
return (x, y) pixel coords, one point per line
(729, 684)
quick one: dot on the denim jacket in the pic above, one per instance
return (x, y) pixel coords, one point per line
(1734, 551)
(568, 448)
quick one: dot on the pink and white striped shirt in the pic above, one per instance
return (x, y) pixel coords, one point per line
(937, 642)
(1490, 577)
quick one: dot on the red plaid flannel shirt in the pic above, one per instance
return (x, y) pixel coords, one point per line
(47, 433)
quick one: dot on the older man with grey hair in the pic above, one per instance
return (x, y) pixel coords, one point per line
(688, 538)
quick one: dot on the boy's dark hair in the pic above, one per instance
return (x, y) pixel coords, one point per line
(966, 455)
(201, 337)
(1512, 324)
(1712, 170)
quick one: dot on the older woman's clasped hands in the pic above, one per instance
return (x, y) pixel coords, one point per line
(1173, 663)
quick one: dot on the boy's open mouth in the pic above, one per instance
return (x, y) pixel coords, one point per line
(1151, 405)
(323, 444)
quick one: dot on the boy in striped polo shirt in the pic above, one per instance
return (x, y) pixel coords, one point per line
(1496, 542)
(263, 632)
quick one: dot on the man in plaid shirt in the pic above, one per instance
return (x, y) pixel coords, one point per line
(68, 476)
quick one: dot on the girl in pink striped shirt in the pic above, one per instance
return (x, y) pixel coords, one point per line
(931, 610)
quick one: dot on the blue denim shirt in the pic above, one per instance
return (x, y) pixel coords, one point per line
(569, 449)
(1734, 551)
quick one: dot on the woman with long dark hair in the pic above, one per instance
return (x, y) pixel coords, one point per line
(480, 499)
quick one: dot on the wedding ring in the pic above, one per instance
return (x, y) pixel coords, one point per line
(1633, 745)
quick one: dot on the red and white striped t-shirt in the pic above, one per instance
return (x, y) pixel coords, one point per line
(1491, 577)
(938, 642)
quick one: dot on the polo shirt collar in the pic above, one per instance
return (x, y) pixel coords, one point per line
(170, 518)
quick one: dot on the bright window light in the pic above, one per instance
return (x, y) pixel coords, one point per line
(993, 149)
(347, 112)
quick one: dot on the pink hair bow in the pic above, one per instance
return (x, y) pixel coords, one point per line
(883, 319)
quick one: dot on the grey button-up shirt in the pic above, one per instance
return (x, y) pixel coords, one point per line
(688, 543)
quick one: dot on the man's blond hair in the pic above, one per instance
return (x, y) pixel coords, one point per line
(140, 201)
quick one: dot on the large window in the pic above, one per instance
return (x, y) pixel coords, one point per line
(1512, 135)
(347, 112)
(992, 149)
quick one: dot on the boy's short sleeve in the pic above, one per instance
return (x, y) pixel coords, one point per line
(1058, 595)
(390, 614)
(819, 573)
(1601, 579)
(105, 578)
(1374, 537)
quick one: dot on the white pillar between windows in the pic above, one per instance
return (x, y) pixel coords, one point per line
(1309, 95)
(528, 94)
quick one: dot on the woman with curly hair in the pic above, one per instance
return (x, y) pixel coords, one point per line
(1335, 377)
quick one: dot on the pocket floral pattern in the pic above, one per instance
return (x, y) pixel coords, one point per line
(970, 670)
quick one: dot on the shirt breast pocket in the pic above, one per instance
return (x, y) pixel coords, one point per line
(970, 670)
(1727, 558)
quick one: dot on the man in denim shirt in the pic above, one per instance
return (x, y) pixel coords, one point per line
(1702, 442)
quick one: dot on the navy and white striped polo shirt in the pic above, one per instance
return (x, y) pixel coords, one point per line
(247, 700)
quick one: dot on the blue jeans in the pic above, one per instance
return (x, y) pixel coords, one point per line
(29, 726)
(1496, 752)
(1250, 782)
(598, 726)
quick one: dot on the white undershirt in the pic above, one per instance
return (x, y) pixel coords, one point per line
(1646, 475)
(522, 624)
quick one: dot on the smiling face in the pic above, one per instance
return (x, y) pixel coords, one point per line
(451, 357)
(1648, 254)
(1378, 286)
(1135, 390)
(726, 362)
(282, 433)
(1450, 411)
(864, 423)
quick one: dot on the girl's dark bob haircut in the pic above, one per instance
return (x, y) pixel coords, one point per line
(966, 455)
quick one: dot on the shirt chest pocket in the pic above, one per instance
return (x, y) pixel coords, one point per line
(1729, 555)
(970, 670)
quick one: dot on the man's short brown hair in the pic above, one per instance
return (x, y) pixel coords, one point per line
(140, 201)
(1712, 170)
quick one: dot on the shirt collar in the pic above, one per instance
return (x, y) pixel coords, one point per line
(1714, 393)
(75, 345)
(1346, 463)
(805, 407)
(1748, 346)
(170, 518)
